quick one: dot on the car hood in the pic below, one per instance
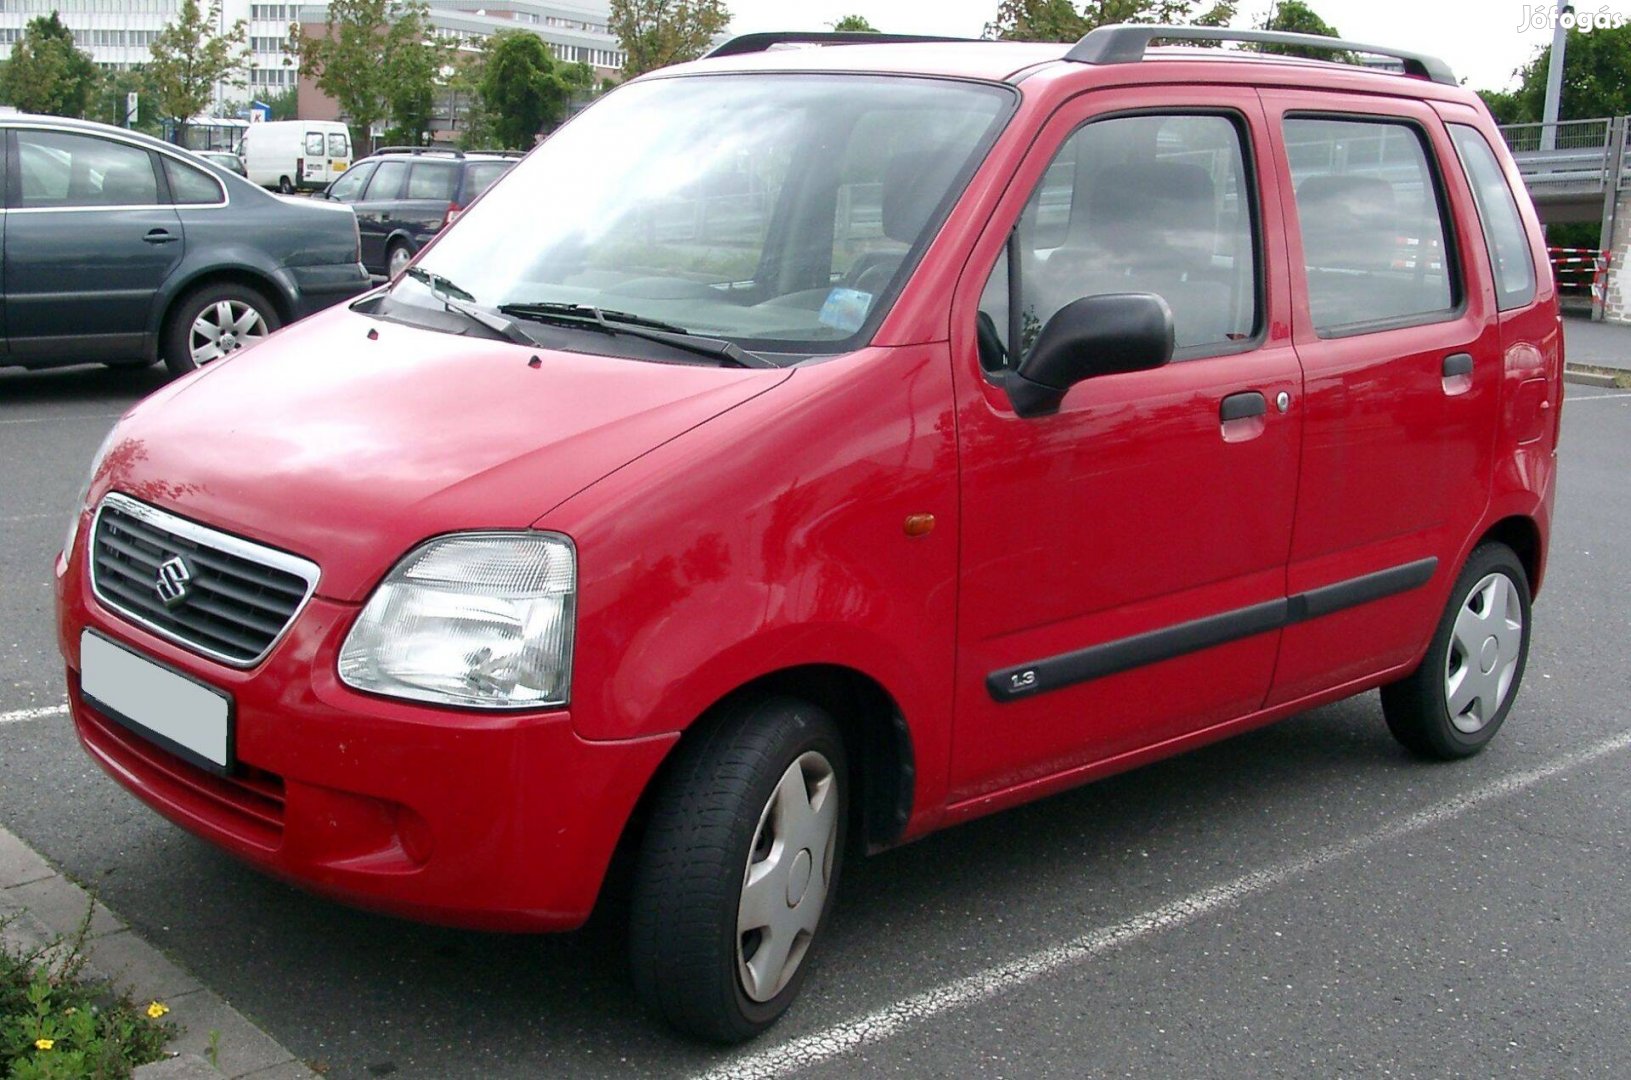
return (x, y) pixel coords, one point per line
(348, 440)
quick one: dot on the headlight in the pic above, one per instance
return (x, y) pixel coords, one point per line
(85, 492)
(482, 620)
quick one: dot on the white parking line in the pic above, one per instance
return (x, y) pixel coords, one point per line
(33, 714)
(1595, 397)
(50, 419)
(821, 1046)
(13, 519)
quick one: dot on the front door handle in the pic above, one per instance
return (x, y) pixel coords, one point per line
(160, 236)
(1457, 364)
(1240, 406)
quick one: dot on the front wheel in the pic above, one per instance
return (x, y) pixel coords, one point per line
(738, 868)
(215, 321)
(1452, 705)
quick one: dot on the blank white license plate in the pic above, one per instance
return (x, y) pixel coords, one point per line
(164, 706)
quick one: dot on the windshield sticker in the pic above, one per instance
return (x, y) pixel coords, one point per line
(845, 309)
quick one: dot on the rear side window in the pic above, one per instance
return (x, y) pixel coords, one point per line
(1504, 235)
(1373, 236)
(1156, 203)
(479, 176)
(59, 170)
(189, 185)
(432, 180)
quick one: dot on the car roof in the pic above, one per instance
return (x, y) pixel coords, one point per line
(1018, 62)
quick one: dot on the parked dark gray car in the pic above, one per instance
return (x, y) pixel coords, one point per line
(123, 249)
(405, 195)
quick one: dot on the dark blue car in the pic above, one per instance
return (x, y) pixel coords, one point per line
(122, 249)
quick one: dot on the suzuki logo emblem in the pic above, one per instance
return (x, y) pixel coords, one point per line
(174, 581)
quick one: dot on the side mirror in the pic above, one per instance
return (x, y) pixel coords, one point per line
(1096, 335)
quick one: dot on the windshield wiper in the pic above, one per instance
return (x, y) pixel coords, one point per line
(453, 297)
(623, 322)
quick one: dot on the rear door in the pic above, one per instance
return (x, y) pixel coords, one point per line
(432, 185)
(88, 243)
(1400, 352)
(1123, 561)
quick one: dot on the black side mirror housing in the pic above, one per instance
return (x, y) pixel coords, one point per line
(1096, 335)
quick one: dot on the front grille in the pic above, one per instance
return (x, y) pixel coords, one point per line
(227, 598)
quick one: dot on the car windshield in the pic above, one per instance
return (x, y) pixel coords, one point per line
(780, 212)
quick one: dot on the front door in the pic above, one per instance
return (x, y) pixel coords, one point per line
(88, 243)
(1123, 561)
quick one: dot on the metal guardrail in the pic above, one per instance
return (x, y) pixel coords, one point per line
(1571, 155)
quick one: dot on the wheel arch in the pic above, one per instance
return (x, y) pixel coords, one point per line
(1520, 533)
(877, 742)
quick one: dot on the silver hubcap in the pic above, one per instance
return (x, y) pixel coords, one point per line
(399, 259)
(1483, 658)
(224, 327)
(787, 877)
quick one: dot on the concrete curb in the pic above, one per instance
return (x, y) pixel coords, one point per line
(1587, 377)
(44, 906)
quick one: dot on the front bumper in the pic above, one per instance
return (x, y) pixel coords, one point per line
(494, 821)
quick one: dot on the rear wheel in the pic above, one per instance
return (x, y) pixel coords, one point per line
(285, 186)
(216, 321)
(738, 868)
(397, 259)
(1452, 705)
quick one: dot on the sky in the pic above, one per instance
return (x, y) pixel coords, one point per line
(1479, 39)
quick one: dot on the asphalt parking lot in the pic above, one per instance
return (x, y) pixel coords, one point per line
(1302, 901)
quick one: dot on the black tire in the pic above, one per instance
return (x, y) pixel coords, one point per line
(1422, 711)
(177, 345)
(284, 186)
(394, 249)
(703, 837)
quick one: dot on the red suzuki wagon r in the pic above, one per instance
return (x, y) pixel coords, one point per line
(809, 448)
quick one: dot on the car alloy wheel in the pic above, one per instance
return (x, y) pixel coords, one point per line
(224, 327)
(397, 260)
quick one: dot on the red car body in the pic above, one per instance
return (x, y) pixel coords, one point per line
(880, 531)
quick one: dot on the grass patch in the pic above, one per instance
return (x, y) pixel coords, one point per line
(57, 1023)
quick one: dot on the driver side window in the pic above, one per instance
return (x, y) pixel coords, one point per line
(1153, 204)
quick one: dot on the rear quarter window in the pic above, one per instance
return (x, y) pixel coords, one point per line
(1504, 234)
(480, 175)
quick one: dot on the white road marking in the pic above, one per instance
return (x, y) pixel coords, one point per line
(33, 714)
(1595, 397)
(842, 1038)
(50, 419)
(13, 519)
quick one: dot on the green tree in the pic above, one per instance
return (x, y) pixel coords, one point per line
(657, 33)
(47, 74)
(1596, 77)
(524, 91)
(110, 101)
(1296, 17)
(375, 57)
(1064, 20)
(855, 24)
(190, 57)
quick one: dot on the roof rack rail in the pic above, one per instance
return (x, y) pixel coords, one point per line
(752, 43)
(453, 151)
(1124, 43)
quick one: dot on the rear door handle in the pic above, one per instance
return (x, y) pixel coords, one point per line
(1457, 364)
(160, 236)
(1245, 404)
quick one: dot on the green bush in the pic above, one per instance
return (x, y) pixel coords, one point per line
(58, 1024)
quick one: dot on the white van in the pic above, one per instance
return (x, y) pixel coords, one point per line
(296, 154)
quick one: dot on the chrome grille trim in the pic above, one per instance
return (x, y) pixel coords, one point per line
(244, 610)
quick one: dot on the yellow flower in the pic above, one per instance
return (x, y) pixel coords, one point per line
(157, 1009)
(44, 1044)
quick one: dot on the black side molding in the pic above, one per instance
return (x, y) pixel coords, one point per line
(1113, 657)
